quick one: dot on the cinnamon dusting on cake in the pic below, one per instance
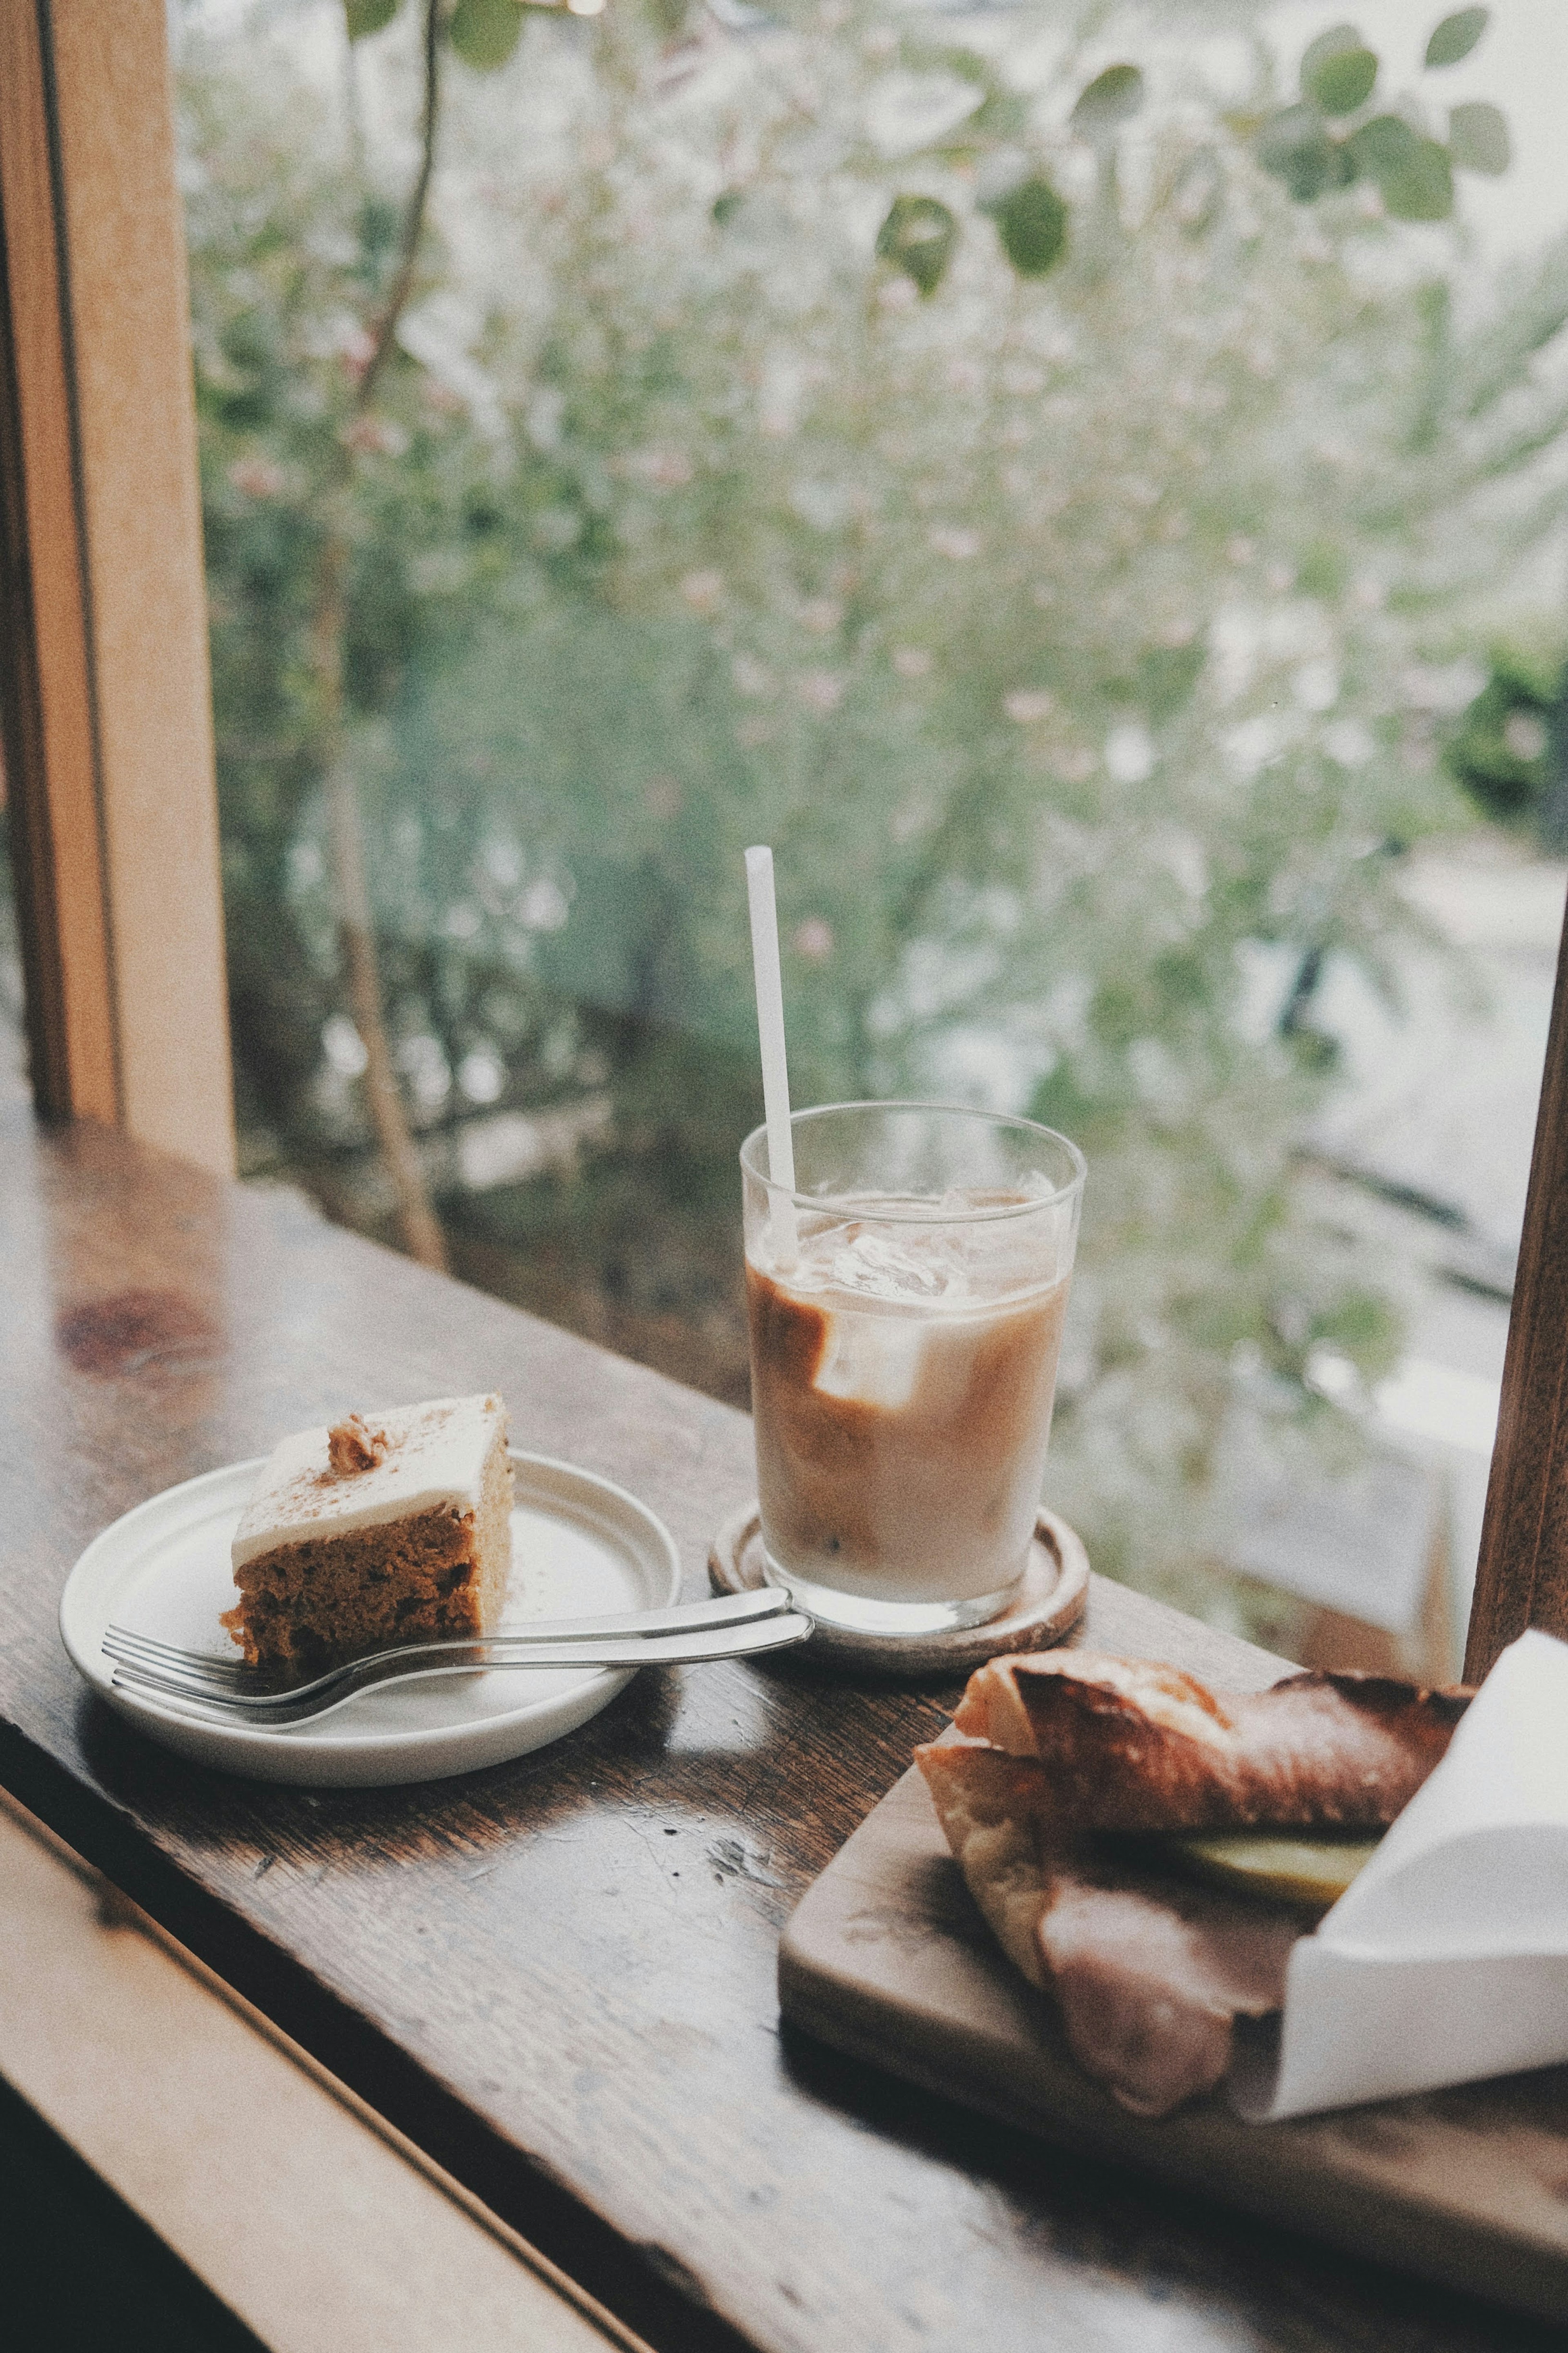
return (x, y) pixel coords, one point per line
(352, 1445)
(390, 1526)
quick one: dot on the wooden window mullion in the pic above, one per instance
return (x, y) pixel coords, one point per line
(46, 685)
(104, 674)
(1521, 1578)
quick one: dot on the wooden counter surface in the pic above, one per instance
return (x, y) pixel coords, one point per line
(558, 1976)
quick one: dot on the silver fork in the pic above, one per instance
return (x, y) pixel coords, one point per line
(211, 1688)
(229, 1673)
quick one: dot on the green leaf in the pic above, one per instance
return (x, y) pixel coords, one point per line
(1479, 140)
(1111, 97)
(485, 32)
(726, 207)
(1338, 71)
(1384, 145)
(1426, 193)
(1341, 84)
(1414, 174)
(1032, 223)
(1337, 42)
(917, 237)
(1295, 146)
(1003, 115)
(1457, 35)
(365, 16)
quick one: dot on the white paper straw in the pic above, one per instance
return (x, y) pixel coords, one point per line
(776, 1066)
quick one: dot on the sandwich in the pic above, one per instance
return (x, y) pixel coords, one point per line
(1147, 1852)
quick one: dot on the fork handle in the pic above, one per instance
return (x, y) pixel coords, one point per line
(679, 1618)
(744, 1640)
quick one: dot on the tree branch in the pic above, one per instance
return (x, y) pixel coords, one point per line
(416, 1219)
(413, 217)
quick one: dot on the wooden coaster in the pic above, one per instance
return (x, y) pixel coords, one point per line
(1049, 1603)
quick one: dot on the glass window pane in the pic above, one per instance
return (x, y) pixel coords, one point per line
(1091, 501)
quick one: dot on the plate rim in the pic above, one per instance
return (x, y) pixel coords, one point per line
(255, 1741)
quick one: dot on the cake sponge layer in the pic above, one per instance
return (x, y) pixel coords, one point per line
(411, 1538)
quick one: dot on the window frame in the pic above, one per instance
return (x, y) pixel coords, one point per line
(104, 676)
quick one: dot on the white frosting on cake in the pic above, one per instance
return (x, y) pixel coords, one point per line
(435, 1461)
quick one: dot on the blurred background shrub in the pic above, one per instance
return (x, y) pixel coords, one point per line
(1046, 469)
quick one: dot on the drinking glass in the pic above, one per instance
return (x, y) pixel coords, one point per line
(905, 1303)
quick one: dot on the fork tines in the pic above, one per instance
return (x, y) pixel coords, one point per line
(145, 1650)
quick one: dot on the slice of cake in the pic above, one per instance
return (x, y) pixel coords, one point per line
(385, 1528)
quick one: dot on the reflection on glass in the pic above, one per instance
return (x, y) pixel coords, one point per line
(1073, 489)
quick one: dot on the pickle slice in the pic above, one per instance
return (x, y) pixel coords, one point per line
(1311, 1872)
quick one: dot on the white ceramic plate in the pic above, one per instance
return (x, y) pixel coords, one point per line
(579, 1545)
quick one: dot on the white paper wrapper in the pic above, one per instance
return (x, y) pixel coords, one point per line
(1447, 1957)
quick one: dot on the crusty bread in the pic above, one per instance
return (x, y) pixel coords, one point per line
(986, 1802)
(1127, 1745)
(1149, 1973)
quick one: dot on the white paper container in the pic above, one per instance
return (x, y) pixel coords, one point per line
(1446, 1958)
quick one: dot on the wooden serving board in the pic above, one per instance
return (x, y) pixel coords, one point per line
(888, 1958)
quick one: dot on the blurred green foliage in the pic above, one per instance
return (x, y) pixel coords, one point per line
(1329, 139)
(1025, 485)
(1509, 750)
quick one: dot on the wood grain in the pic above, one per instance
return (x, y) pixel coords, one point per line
(351, 2243)
(135, 407)
(1521, 1578)
(106, 651)
(558, 1976)
(46, 685)
(889, 1955)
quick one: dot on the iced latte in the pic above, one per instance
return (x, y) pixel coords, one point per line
(904, 1339)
